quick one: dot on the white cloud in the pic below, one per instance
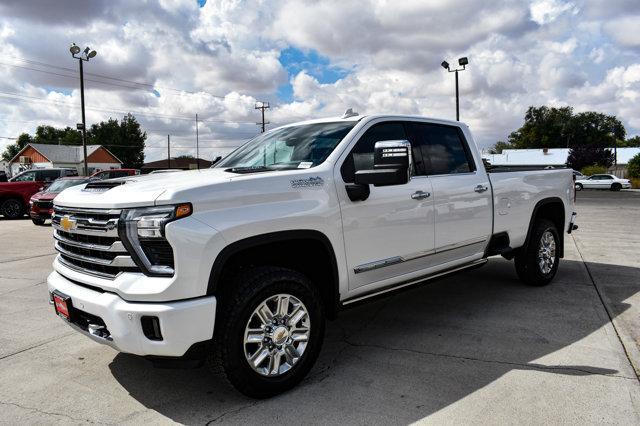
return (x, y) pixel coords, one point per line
(225, 57)
(546, 11)
(624, 30)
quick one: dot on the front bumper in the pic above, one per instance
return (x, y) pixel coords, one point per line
(37, 213)
(182, 323)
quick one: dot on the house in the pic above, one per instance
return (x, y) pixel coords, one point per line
(553, 157)
(43, 156)
(184, 163)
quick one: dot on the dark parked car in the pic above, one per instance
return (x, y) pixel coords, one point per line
(41, 204)
(15, 194)
(114, 173)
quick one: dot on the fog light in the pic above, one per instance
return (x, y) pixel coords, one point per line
(151, 327)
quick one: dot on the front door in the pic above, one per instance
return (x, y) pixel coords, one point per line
(391, 233)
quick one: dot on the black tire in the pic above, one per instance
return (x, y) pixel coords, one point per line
(527, 260)
(12, 208)
(247, 290)
(616, 186)
(578, 187)
(38, 222)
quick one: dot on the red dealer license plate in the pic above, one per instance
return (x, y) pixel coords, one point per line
(62, 303)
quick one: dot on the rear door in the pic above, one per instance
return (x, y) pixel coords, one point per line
(461, 193)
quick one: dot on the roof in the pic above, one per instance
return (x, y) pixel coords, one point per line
(176, 163)
(374, 116)
(550, 157)
(62, 153)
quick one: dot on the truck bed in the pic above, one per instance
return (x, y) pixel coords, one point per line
(516, 194)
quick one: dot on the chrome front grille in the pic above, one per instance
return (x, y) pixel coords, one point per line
(87, 240)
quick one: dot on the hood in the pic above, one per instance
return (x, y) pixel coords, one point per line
(44, 196)
(135, 191)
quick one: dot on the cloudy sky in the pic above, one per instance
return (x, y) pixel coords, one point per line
(166, 61)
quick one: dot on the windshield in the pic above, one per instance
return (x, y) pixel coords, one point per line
(62, 184)
(295, 147)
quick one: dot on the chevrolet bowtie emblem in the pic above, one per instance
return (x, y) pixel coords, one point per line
(67, 223)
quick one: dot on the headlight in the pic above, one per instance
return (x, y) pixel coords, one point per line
(142, 231)
(30, 202)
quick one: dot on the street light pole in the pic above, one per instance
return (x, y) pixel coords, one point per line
(463, 62)
(84, 120)
(85, 56)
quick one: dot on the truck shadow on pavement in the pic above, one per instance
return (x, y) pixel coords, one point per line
(413, 354)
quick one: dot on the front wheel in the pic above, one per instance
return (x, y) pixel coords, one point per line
(11, 209)
(38, 222)
(616, 187)
(269, 330)
(537, 262)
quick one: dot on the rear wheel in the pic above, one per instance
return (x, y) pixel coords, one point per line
(269, 330)
(38, 222)
(616, 186)
(578, 187)
(537, 263)
(12, 208)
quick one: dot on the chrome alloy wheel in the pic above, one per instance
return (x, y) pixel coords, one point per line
(276, 335)
(547, 252)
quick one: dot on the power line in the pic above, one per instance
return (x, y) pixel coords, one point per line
(27, 98)
(148, 85)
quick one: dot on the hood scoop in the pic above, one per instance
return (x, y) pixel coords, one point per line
(102, 185)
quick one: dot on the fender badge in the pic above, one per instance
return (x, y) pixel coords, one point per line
(307, 183)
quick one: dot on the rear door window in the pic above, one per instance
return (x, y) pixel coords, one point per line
(439, 149)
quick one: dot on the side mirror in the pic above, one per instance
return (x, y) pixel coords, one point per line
(392, 165)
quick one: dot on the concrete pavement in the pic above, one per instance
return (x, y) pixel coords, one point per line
(478, 347)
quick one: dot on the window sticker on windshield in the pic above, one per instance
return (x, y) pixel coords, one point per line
(305, 164)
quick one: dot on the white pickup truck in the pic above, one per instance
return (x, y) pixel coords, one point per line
(242, 263)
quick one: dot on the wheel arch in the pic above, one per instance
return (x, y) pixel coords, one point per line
(553, 209)
(304, 250)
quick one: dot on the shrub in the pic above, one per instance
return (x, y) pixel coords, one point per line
(593, 170)
(633, 168)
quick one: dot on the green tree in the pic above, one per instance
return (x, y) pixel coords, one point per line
(633, 168)
(550, 127)
(582, 156)
(13, 149)
(631, 142)
(499, 147)
(125, 140)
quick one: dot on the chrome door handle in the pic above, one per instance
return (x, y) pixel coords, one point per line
(420, 195)
(480, 189)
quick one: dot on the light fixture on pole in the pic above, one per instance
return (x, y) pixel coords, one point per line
(84, 57)
(463, 62)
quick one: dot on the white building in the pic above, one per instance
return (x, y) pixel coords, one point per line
(552, 157)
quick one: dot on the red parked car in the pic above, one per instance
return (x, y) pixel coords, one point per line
(15, 194)
(41, 204)
(115, 173)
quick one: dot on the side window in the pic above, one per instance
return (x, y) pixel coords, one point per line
(26, 177)
(361, 156)
(439, 149)
(118, 174)
(49, 175)
(607, 177)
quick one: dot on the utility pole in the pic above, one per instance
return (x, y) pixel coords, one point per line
(262, 107)
(197, 145)
(168, 152)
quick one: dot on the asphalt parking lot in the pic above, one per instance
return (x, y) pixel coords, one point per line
(479, 347)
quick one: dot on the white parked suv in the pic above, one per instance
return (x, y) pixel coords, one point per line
(611, 182)
(242, 263)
